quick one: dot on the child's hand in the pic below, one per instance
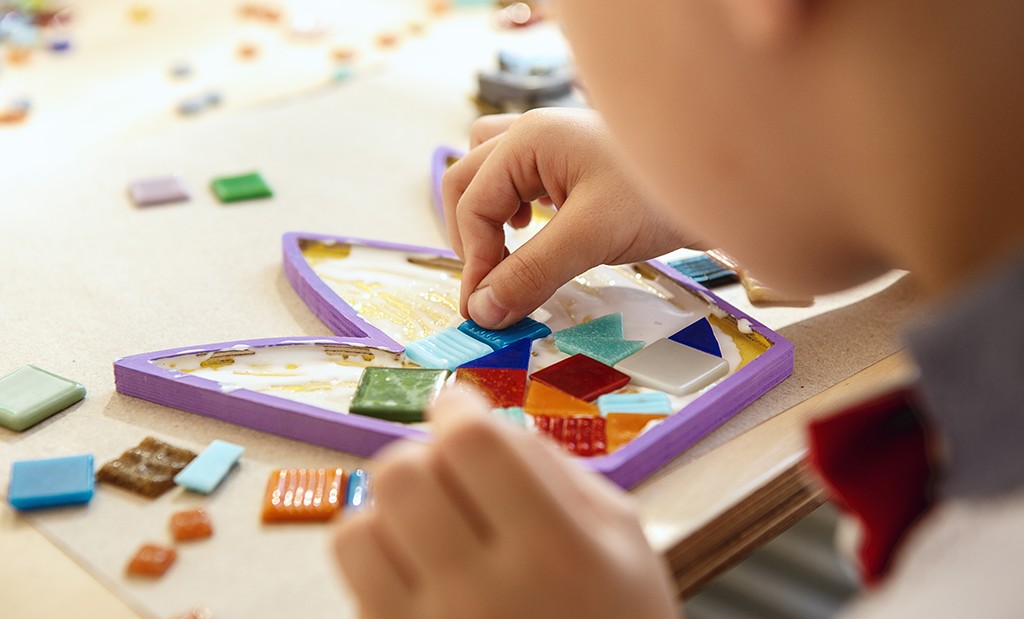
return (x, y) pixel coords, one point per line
(604, 216)
(488, 521)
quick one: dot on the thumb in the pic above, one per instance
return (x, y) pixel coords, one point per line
(527, 277)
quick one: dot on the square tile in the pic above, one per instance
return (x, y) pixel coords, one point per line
(674, 368)
(397, 394)
(151, 561)
(515, 356)
(147, 469)
(210, 467)
(446, 349)
(158, 190)
(542, 399)
(502, 387)
(303, 494)
(51, 482)
(191, 524)
(527, 328)
(242, 187)
(624, 427)
(699, 335)
(582, 377)
(29, 395)
(581, 436)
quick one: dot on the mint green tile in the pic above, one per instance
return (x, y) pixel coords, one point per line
(243, 187)
(29, 395)
(607, 326)
(635, 403)
(397, 394)
(606, 350)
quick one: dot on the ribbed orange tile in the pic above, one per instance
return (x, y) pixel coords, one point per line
(302, 494)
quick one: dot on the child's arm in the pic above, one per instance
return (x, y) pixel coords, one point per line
(488, 521)
(604, 216)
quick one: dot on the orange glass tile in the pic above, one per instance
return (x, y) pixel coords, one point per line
(503, 387)
(302, 494)
(582, 436)
(624, 427)
(544, 400)
(191, 524)
(152, 561)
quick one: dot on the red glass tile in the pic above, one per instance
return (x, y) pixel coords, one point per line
(582, 436)
(582, 377)
(503, 387)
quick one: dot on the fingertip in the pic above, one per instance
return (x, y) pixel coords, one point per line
(485, 309)
(457, 403)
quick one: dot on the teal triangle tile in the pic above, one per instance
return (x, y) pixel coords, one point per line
(699, 335)
(515, 356)
(607, 326)
(605, 350)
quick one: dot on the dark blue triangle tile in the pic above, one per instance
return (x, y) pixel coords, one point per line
(515, 356)
(699, 335)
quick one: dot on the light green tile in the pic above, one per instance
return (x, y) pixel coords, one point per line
(29, 395)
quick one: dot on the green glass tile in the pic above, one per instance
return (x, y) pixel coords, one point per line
(606, 350)
(608, 326)
(243, 187)
(29, 395)
(397, 394)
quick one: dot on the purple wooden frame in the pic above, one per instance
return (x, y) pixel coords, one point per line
(138, 376)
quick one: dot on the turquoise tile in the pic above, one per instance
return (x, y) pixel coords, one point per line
(51, 482)
(638, 403)
(527, 328)
(607, 326)
(209, 468)
(606, 350)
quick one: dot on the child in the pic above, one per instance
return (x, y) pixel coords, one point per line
(820, 142)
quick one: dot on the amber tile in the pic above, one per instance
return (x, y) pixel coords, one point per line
(624, 427)
(190, 525)
(151, 561)
(542, 399)
(147, 469)
(303, 494)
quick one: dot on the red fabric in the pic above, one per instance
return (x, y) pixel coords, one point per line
(874, 459)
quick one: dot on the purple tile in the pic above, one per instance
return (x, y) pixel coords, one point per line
(158, 190)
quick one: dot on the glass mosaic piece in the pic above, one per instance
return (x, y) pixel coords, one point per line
(51, 482)
(515, 356)
(29, 395)
(166, 189)
(581, 436)
(699, 335)
(397, 394)
(542, 399)
(705, 271)
(147, 469)
(582, 377)
(303, 494)
(242, 187)
(674, 368)
(446, 349)
(635, 403)
(358, 495)
(205, 473)
(624, 427)
(502, 387)
(515, 415)
(152, 561)
(607, 326)
(191, 524)
(527, 328)
(605, 350)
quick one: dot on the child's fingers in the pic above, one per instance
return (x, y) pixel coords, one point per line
(489, 126)
(379, 585)
(501, 291)
(516, 484)
(454, 183)
(414, 505)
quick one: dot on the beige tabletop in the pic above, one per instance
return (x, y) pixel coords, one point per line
(86, 278)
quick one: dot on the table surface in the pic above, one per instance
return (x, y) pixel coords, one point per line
(87, 278)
